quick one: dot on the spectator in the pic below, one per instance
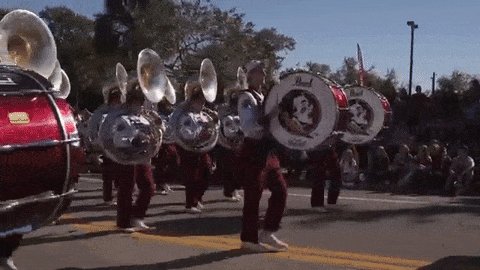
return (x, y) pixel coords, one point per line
(349, 168)
(401, 163)
(378, 166)
(419, 173)
(461, 173)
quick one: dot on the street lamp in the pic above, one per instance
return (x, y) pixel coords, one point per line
(413, 26)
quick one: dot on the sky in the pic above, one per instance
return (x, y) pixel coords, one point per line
(326, 31)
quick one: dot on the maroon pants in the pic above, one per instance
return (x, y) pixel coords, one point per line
(166, 164)
(228, 170)
(258, 175)
(324, 166)
(109, 178)
(195, 170)
(142, 176)
(9, 244)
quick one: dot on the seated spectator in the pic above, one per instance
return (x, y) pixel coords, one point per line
(419, 173)
(401, 163)
(461, 173)
(349, 169)
(378, 167)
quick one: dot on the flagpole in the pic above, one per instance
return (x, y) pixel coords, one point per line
(361, 71)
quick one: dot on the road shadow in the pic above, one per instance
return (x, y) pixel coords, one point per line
(197, 226)
(202, 259)
(422, 214)
(71, 237)
(454, 263)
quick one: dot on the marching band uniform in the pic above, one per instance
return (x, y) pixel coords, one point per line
(195, 168)
(228, 171)
(324, 166)
(227, 160)
(261, 169)
(166, 165)
(129, 215)
(110, 170)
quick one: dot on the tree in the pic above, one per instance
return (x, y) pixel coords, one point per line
(321, 69)
(457, 82)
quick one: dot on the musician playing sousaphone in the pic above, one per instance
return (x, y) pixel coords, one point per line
(113, 97)
(196, 132)
(230, 140)
(260, 166)
(131, 135)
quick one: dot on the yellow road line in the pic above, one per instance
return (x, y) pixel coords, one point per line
(303, 254)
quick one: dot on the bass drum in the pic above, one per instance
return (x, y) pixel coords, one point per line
(312, 110)
(39, 152)
(369, 111)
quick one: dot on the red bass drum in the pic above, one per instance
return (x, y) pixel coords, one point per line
(39, 152)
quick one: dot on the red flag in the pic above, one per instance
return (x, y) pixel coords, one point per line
(361, 72)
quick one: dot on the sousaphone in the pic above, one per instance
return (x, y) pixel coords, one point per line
(134, 136)
(198, 132)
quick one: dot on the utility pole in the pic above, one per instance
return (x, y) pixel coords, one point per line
(413, 26)
(433, 83)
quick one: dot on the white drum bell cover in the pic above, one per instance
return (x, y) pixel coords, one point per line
(367, 115)
(308, 111)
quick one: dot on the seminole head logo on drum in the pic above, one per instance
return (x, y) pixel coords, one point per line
(361, 117)
(299, 112)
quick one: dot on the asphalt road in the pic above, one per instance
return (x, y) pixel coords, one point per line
(365, 230)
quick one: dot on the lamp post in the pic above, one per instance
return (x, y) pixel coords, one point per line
(413, 26)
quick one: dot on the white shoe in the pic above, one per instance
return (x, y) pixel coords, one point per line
(139, 224)
(268, 238)
(167, 188)
(193, 210)
(7, 264)
(236, 194)
(129, 230)
(320, 209)
(256, 247)
(109, 203)
(163, 192)
(200, 205)
(233, 199)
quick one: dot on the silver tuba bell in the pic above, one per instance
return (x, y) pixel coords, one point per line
(26, 41)
(231, 135)
(133, 135)
(198, 132)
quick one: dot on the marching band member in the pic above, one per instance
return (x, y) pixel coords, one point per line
(261, 167)
(195, 168)
(130, 217)
(113, 98)
(324, 165)
(227, 159)
(167, 160)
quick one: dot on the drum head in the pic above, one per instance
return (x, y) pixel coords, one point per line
(308, 111)
(367, 115)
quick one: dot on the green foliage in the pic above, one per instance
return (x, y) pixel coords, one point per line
(182, 32)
